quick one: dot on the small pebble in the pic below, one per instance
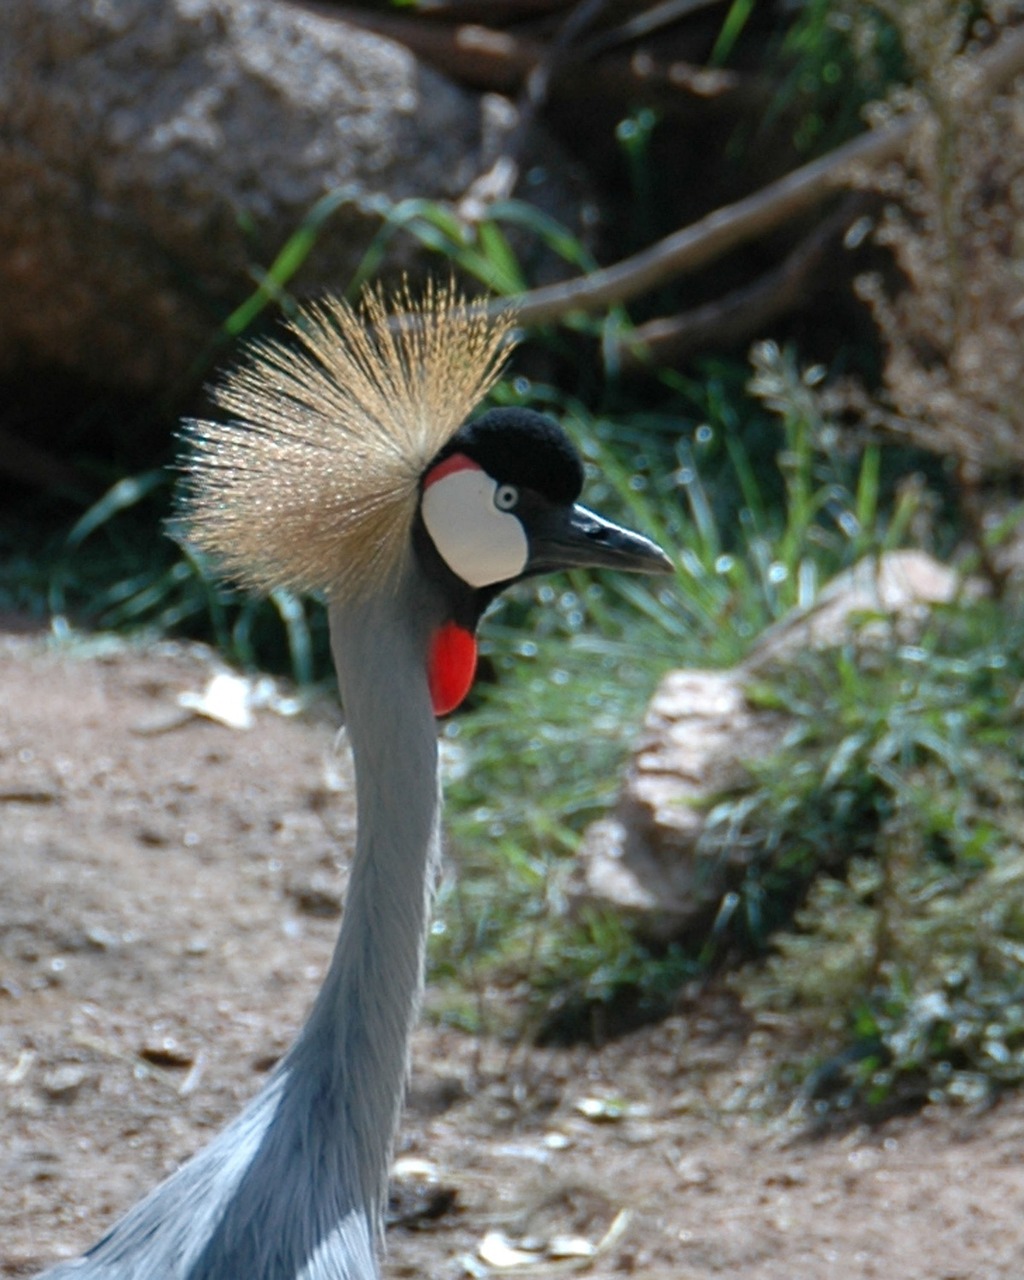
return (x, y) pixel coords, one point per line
(63, 1084)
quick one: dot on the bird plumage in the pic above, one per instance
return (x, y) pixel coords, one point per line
(319, 482)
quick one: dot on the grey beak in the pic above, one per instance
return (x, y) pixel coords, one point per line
(573, 537)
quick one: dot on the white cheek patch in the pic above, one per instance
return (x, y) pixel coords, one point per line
(479, 543)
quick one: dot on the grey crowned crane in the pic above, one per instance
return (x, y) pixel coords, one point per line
(349, 464)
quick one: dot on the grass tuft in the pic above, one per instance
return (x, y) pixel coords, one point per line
(898, 797)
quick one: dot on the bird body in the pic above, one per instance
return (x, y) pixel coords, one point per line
(294, 1188)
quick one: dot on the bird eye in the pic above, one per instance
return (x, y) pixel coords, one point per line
(506, 496)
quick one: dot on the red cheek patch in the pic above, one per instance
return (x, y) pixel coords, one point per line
(451, 666)
(454, 462)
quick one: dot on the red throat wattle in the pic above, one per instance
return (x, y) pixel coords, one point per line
(451, 666)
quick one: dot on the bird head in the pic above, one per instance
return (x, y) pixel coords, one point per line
(499, 504)
(353, 455)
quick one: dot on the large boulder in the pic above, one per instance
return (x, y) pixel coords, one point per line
(155, 157)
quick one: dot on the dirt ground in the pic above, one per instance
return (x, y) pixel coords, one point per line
(169, 896)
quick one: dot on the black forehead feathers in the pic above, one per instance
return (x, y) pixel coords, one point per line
(524, 448)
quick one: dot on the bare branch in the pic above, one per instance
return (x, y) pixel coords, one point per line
(740, 313)
(714, 235)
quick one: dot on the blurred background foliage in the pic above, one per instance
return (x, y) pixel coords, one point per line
(882, 910)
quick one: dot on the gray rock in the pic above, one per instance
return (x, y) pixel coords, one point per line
(644, 859)
(64, 1083)
(155, 156)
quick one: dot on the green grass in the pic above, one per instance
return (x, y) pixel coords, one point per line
(898, 797)
(884, 890)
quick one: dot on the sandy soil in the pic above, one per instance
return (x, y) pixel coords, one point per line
(169, 896)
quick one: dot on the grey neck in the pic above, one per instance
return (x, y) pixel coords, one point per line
(357, 1036)
(296, 1185)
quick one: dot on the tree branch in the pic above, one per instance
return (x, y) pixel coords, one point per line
(714, 235)
(741, 312)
